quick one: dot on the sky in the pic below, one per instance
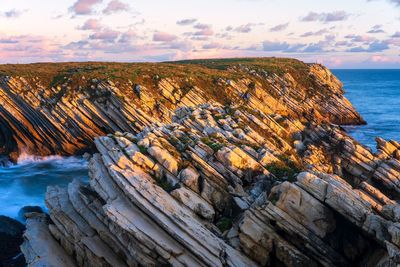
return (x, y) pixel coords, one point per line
(339, 34)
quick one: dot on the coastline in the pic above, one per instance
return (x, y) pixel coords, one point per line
(192, 186)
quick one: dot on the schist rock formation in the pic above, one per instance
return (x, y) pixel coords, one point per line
(238, 162)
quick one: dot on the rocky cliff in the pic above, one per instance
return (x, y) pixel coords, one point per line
(59, 108)
(250, 169)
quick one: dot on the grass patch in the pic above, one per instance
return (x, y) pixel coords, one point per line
(142, 149)
(285, 170)
(215, 146)
(224, 224)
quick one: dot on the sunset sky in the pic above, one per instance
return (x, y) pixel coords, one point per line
(340, 34)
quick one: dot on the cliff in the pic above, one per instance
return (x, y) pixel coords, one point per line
(250, 169)
(59, 108)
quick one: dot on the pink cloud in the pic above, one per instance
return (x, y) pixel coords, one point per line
(28, 48)
(105, 35)
(84, 7)
(213, 45)
(164, 37)
(384, 59)
(128, 36)
(115, 6)
(91, 24)
(205, 32)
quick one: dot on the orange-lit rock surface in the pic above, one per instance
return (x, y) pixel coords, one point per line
(238, 184)
(59, 108)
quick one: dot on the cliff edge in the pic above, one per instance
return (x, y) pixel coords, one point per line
(248, 169)
(60, 108)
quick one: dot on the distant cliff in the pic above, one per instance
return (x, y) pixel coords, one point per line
(59, 108)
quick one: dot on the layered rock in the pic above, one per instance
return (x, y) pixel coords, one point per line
(59, 108)
(229, 186)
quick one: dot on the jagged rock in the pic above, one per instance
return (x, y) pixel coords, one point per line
(28, 209)
(303, 208)
(262, 182)
(40, 248)
(63, 117)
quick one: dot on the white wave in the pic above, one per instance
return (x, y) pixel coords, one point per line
(25, 158)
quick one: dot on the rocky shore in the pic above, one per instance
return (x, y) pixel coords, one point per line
(267, 178)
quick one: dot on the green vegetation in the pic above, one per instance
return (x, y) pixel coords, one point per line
(215, 146)
(58, 79)
(142, 149)
(224, 224)
(285, 169)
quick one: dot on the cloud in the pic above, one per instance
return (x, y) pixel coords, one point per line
(213, 45)
(359, 38)
(128, 36)
(376, 29)
(91, 24)
(107, 35)
(115, 6)
(321, 46)
(245, 28)
(84, 7)
(28, 48)
(313, 48)
(375, 46)
(8, 40)
(180, 45)
(13, 13)
(396, 2)
(279, 27)
(164, 37)
(202, 26)
(342, 43)
(316, 33)
(285, 47)
(203, 30)
(396, 35)
(326, 17)
(275, 46)
(185, 22)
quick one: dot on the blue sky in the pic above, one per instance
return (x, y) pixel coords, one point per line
(340, 34)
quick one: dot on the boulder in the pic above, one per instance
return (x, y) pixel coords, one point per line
(10, 239)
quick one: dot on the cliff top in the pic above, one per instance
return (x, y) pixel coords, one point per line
(52, 74)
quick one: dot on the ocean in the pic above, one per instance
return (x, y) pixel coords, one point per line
(25, 183)
(374, 93)
(376, 96)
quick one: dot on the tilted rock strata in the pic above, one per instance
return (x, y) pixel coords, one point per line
(224, 186)
(65, 116)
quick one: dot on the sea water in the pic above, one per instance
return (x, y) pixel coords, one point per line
(376, 96)
(25, 183)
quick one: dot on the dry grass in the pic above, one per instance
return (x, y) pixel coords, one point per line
(202, 73)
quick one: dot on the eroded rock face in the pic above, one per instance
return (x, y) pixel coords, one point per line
(195, 193)
(64, 116)
(255, 183)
